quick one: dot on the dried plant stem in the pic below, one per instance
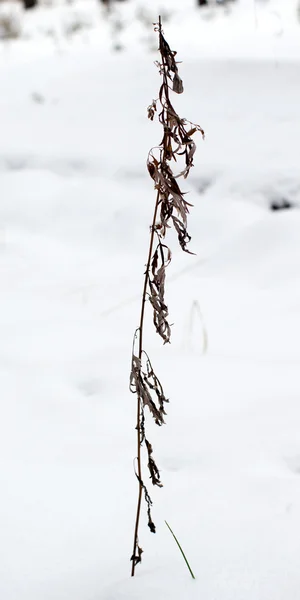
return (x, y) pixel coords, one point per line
(139, 402)
(146, 280)
(171, 210)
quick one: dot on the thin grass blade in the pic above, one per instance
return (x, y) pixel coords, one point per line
(180, 548)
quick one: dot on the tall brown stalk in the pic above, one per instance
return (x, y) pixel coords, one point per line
(171, 209)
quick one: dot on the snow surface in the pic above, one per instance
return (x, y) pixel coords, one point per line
(76, 203)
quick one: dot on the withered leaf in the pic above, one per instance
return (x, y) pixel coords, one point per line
(153, 469)
(151, 110)
(177, 84)
(160, 260)
(144, 383)
(151, 525)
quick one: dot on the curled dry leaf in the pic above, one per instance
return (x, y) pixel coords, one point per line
(154, 472)
(139, 385)
(169, 64)
(152, 110)
(177, 84)
(145, 384)
(157, 291)
(149, 503)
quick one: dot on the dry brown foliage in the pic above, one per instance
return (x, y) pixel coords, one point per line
(171, 210)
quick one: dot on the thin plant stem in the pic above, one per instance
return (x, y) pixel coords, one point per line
(138, 426)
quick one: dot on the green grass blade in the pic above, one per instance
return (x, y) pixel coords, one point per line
(184, 556)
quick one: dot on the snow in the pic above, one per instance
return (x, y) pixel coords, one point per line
(76, 204)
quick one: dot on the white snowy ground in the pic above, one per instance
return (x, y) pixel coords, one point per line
(75, 209)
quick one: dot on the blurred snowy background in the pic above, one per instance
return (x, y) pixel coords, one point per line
(76, 202)
(239, 28)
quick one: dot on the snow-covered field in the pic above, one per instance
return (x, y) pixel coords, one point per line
(75, 208)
